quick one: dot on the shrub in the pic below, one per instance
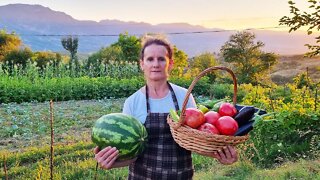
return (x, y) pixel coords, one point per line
(297, 123)
(14, 89)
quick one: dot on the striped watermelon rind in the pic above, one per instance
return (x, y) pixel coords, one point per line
(122, 131)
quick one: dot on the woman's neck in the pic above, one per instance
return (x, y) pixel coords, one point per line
(157, 89)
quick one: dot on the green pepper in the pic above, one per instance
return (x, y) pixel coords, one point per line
(174, 115)
(210, 103)
(217, 105)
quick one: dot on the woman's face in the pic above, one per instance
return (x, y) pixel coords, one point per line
(156, 63)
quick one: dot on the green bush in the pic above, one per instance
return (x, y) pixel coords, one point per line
(288, 138)
(220, 91)
(22, 89)
(202, 86)
(61, 89)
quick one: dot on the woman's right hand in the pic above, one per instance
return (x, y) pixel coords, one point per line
(106, 157)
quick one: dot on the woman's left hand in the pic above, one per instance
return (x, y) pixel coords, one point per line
(226, 156)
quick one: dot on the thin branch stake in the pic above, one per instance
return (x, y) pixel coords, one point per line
(96, 173)
(5, 167)
(52, 140)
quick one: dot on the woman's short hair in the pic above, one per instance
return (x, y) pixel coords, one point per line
(157, 39)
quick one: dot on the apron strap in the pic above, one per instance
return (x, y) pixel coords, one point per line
(173, 95)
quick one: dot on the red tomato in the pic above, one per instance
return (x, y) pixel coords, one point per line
(227, 125)
(211, 117)
(194, 117)
(227, 109)
(209, 128)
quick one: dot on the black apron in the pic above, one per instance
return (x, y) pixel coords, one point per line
(163, 158)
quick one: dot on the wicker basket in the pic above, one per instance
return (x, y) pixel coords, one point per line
(197, 141)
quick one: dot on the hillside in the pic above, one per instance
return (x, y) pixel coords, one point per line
(290, 66)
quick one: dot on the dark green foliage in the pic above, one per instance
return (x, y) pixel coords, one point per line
(47, 59)
(249, 62)
(220, 91)
(309, 19)
(100, 62)
(180, 62)
(18, 59)
(201, 88)
(287, 138)
(130, 47)
(23, 89)
(202, 62)
(62, 89)
(71, 44)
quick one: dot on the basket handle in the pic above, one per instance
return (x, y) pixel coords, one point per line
(184, 105)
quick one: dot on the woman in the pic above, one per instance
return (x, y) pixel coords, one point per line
(162, 158)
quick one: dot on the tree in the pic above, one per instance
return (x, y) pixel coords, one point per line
(44, 59)
(71, 44)
(8, 42)
(111, 54)
(130, 47)
(180, 62)
(202, 62)
(249, 62)
(17, 59)
(105, 56)
(299, 19)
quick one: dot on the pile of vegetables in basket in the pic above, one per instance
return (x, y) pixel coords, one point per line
(220, 117)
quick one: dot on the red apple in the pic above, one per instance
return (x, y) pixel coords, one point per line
(227, 109)
(211, 117)
(209, 128)
(227, 125)
(194, 117)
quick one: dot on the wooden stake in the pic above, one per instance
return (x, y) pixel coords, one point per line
(96, 173)
(52, 140)
(5, 166)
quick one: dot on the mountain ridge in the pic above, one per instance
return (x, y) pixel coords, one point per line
(34, 22)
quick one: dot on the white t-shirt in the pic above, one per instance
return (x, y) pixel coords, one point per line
(135, 105)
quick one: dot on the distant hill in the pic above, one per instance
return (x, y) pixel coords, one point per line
(30, 21)
(291, 66)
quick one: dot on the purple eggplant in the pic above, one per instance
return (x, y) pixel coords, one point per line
(245, 129)
(244, 115)
(256, 110)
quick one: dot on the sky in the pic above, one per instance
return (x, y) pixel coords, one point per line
(226, 14)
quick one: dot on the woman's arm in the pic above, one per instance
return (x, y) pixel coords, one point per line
(107, 158)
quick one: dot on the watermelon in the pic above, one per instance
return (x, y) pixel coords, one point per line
(122, 131)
